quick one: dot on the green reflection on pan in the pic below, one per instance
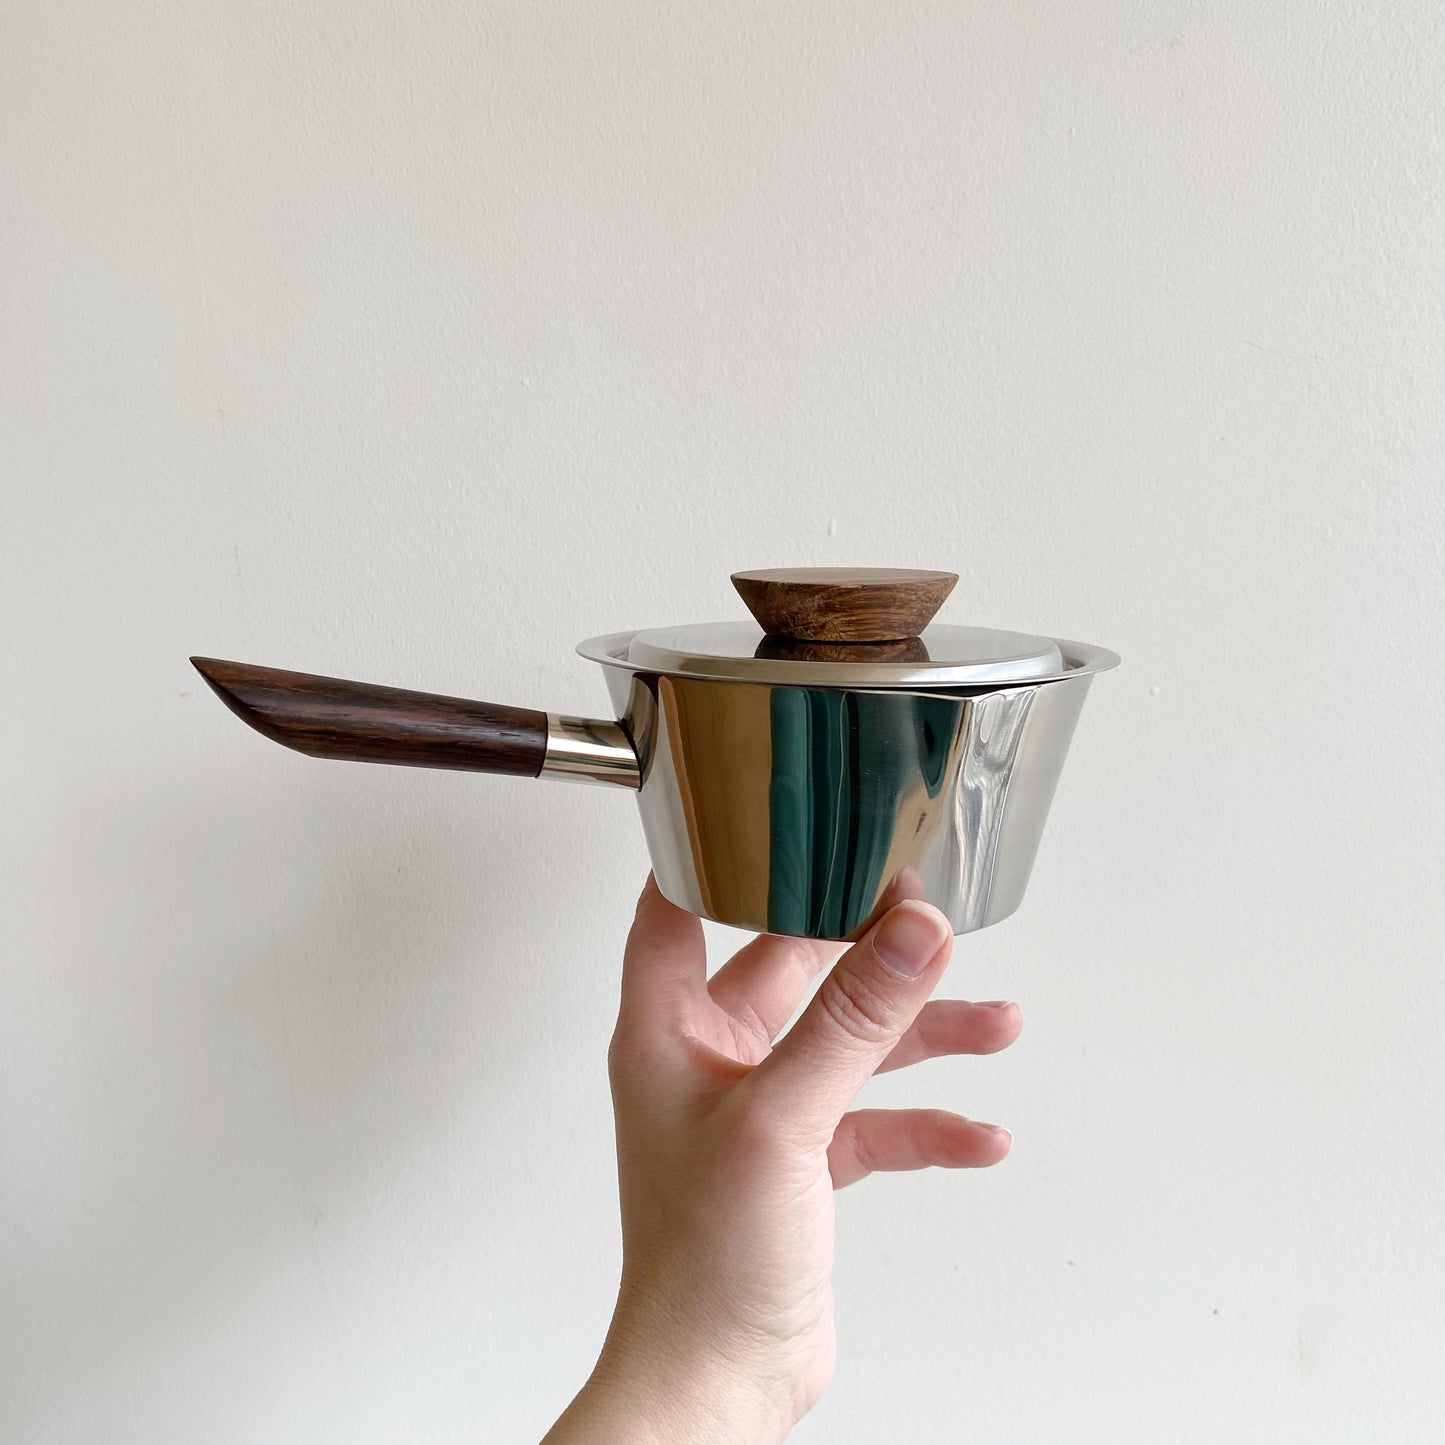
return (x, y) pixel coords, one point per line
(842, 762)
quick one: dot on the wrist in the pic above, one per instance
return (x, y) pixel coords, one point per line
(647, 1392)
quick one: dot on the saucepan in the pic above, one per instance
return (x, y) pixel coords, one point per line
(786, 770)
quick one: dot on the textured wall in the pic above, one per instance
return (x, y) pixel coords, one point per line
(415, 341)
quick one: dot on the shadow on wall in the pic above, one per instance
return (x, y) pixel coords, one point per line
(280, 1002)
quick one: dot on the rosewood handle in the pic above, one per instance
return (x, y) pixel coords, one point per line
(843, 604)
(328, 717)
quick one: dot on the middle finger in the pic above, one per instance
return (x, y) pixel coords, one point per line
(950, 1026)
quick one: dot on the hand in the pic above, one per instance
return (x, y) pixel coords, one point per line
(729, 1149)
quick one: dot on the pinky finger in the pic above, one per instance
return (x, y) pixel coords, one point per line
(867, 1140)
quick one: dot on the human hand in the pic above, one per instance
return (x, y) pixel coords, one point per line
(729, 1149)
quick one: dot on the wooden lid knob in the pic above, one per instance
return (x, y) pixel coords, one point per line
(843, 604)
(797, 649)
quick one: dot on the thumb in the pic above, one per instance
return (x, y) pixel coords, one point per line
(866, 1003)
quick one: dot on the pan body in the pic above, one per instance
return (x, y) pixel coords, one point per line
(792, 809)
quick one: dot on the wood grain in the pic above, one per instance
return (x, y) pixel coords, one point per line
(329, 717)
(797, 649)
(840, 604)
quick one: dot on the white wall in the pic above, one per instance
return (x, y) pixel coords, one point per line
(414, 341)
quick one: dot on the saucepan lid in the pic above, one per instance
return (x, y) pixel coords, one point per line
(838, 627)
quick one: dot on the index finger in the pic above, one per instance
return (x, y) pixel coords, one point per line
(664, 965)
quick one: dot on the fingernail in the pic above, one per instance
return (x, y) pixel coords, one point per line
(996, 1003)
(908, 939)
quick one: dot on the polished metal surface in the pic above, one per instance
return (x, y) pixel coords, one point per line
(791, 810)
(948, 657)
(588, 750)
(613, 651)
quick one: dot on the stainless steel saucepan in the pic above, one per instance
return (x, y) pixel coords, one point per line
(786, 771)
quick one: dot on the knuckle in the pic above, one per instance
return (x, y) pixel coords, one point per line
(764, 1123)
(616, 1063)
(770, 1149)
(624, 1055)
(862, 1151)
(858, 1006)
(758, 1132)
